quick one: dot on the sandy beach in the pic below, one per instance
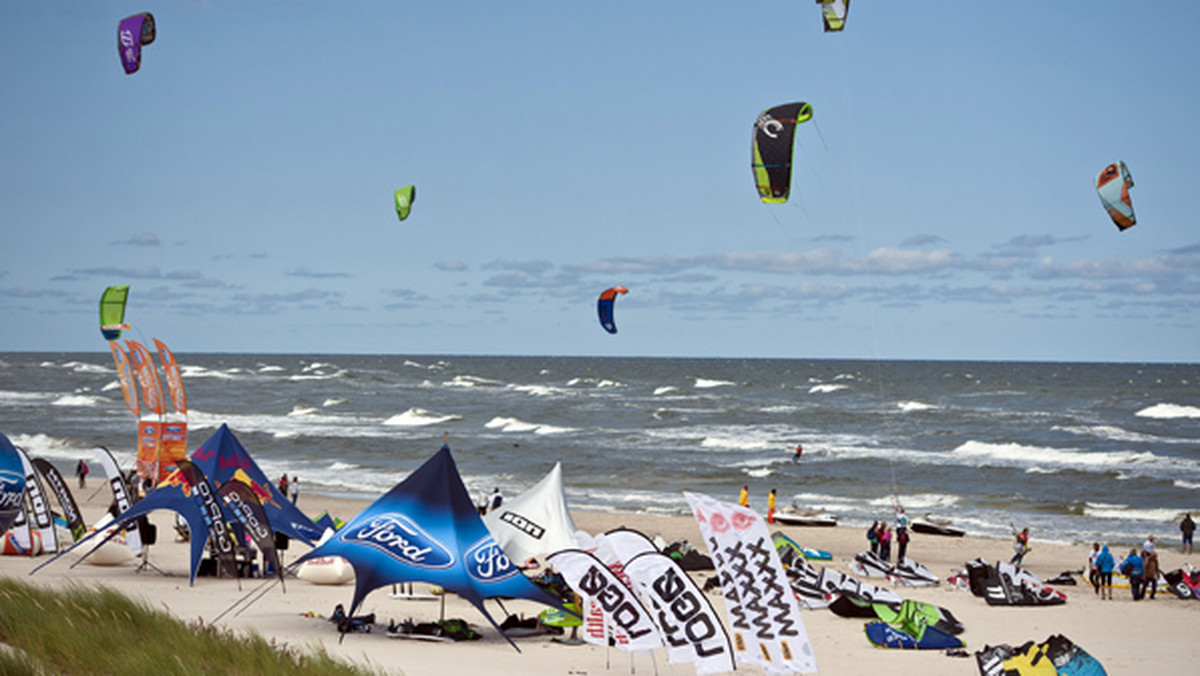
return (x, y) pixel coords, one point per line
(1122, 634)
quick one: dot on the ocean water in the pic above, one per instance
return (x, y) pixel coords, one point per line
(1078, 452)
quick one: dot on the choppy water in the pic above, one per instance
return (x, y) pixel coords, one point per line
(1077, 451)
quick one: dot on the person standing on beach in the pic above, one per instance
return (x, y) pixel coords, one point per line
(294, 487)
(1104, 566)
(1021, 546)
(873, 537)
(1187, 527)
(1150, 560)
(771, 506)
(902, 542)
(81, 471)
(1135, 569)
(744, 498)
(496, 501)
(885, 542)
(283, 485)
(1093, 569)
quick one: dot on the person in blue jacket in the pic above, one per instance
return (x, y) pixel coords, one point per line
(1104, 565)
(1135, 569)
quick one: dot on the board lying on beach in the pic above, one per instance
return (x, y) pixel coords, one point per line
(936, 528)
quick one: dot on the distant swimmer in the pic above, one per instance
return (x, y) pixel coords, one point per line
(799, 452)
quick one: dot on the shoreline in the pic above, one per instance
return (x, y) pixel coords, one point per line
(1123, 635)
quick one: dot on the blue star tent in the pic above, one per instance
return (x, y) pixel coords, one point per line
(426, 529)
(222, 457)
(189, 493)
(12, 484)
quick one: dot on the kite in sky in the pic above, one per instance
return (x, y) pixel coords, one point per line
(605, 307)
(404, 200)
(1113, 185)
(834, 13)
(774, 132)
(112, 311)
(133, 32)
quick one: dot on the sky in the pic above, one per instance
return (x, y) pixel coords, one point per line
(943, 198)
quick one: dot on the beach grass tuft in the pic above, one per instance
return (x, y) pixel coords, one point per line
(83, 630)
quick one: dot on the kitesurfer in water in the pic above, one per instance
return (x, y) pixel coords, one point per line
(771, 506)
(799, 452)
(1187, 527)
(744, 498)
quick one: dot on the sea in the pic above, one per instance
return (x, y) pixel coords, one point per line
(1078, 452)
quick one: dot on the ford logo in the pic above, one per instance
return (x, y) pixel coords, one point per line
(486, 562)
(402, 539)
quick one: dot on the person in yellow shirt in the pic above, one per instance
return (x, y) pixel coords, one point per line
(771, 506)
(744, 498)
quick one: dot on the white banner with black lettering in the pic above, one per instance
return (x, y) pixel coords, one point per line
(600, 588)
(763, 612)
(691, 629)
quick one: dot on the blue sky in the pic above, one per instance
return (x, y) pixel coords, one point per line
(943, 202)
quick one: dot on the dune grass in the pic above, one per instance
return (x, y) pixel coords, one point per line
(101, 631)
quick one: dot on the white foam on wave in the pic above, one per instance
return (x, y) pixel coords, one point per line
(332, 401)
(912, 406)
(759, 472)
(543, 390)
(270, 368)
(1169, 411)
(826, 388)
(740, 442)
(665, 389)
(1100, 510)
(707, 383)
(470, 381)
(301, 410)
(415, 417)
(84, 367)
(300, 377)
(52, 448)
(1020, 455)
(1190, 485)
(1113, 433)
(504, 424)
(188, 372)
(79, 400)
(9, 397)
(914, 503)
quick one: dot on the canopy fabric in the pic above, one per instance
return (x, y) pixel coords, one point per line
(536, 522)
(426, 529)
(222, 457)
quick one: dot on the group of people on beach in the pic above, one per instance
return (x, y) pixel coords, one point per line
(290, 487)
(880, 537)
(1140, 566)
